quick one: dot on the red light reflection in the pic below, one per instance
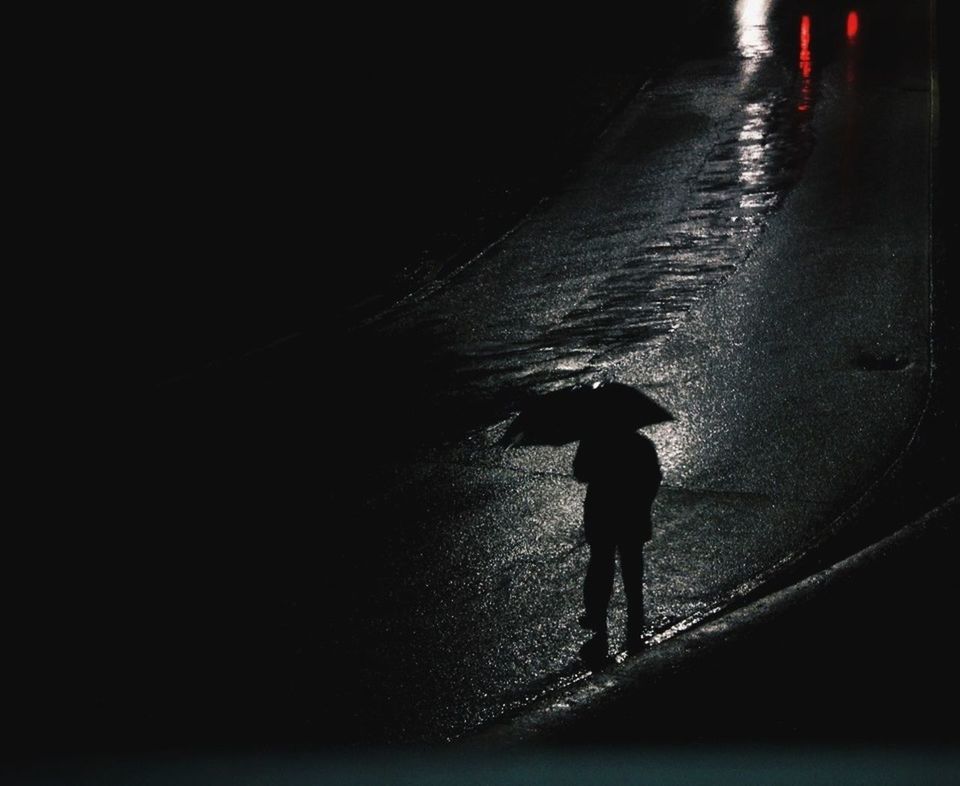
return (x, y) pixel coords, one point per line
(805, 64)
(853, 24)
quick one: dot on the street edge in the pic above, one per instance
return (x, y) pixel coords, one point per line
(601, 689)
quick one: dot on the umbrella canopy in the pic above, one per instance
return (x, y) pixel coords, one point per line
(570, 414)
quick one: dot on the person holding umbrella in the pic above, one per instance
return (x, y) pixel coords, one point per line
(622, 473)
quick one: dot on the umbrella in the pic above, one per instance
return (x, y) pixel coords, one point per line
(567, 415)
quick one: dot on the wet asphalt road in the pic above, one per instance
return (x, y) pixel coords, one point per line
(747, 242)
(334, 547)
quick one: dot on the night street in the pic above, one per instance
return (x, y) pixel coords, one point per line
(688, 256)
(314, 536)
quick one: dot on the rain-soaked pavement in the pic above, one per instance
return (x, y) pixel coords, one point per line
(747, 241)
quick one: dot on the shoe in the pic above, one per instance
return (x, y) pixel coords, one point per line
(594, 652)
(591, 623)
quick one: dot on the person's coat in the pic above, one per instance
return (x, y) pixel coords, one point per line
(623, 475)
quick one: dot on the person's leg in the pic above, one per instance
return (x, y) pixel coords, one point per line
(598, 585)
(631, 568)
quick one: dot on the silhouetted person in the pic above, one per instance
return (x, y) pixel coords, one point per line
(623, 475)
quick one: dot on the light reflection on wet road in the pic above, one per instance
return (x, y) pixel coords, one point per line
(732, 245)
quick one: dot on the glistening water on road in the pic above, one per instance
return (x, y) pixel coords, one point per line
(747, 242)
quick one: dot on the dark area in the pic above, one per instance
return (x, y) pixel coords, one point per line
(263, 180)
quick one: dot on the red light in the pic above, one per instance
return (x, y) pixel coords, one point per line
(853, 24)
(805, 66)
